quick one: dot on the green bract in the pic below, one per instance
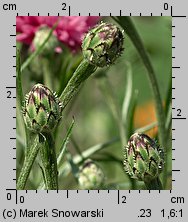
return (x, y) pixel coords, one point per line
(90, 176)
(41, 110)
(144, 159)
(103, 44)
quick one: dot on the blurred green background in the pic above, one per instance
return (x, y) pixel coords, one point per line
(94, 122)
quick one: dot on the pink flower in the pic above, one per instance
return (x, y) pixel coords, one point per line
(69, 31)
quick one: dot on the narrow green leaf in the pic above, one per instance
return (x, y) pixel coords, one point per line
(64, 144)
(128, 93)
(146, 128)
(131, 113)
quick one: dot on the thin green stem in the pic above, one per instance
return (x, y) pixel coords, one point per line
(154, 184)
(83, 71)
(131, 31)
(49, 162)
(28, 163)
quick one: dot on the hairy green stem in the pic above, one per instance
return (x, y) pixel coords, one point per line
(49, 162)
(131, 31)
(83, 71)
(28, 163)
(154, 184)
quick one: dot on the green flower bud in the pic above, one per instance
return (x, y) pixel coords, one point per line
(41, 110)
(144, 159)
(40, 37)
(90, 176)
(103, 44)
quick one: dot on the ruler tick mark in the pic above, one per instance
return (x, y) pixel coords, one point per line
(69, 10)
(118, 196)
(179, 16)
(178, 117)
(10, 87)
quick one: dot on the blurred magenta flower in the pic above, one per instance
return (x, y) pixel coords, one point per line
(69, 31)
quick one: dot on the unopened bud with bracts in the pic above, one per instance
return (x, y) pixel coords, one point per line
(40, 37)
(103, 44)
(41, 109)
(90, 176)
(144, 159)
